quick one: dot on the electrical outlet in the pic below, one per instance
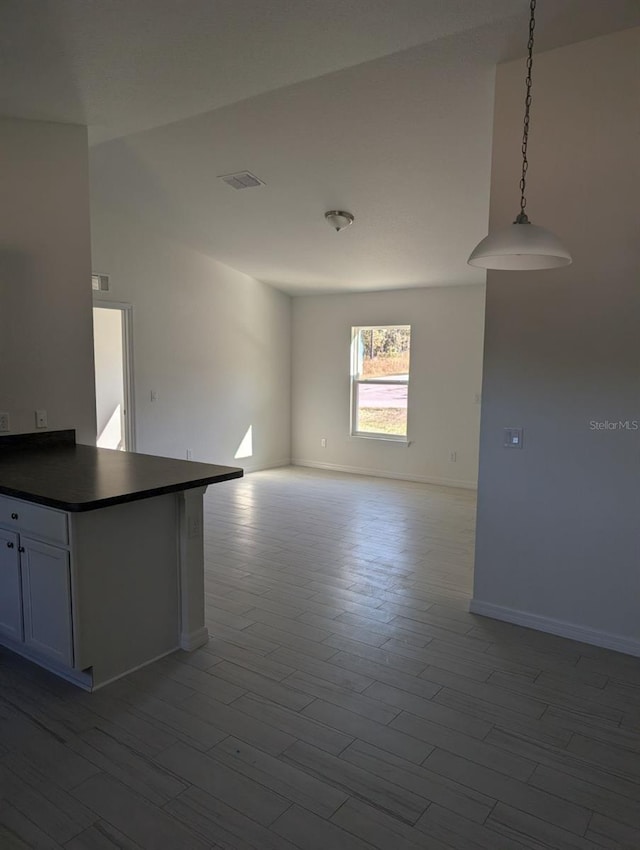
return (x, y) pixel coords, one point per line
(323, 443)
(453, 456)
(154, 395)
(41, 418)
(4, 422)
(189, 454)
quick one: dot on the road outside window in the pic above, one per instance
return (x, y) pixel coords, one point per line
(380, 381)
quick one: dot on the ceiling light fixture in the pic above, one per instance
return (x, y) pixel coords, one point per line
(338, 219)
(522, 246)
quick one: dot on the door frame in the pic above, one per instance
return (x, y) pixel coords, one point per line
(126, 312)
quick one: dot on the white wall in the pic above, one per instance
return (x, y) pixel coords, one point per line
(46, 349)
(446, 363)
(213, 343)
(558, 537)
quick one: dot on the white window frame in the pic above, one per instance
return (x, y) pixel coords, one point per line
(356, 381)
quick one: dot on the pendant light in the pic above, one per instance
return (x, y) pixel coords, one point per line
(522, 246)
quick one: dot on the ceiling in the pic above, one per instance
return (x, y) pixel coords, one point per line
(378, 107)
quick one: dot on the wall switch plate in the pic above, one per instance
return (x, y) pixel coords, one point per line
(513, 438)
(4, 422)
(453, 456)
(154, 395)
(323, 443)
(189, 454)
(41, 418)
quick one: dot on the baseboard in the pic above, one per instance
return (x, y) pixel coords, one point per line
(276, 464)
(629, 646)
(133, 669)
(380, 473)
(76, 677)
(192, 640)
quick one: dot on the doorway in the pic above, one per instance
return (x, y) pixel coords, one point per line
(113, 370)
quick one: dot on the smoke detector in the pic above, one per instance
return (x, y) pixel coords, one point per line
(338, 219)
(241, 180)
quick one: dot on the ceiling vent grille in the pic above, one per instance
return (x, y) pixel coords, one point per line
(241, 180)
(100, 282)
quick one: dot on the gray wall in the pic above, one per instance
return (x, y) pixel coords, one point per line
(446, 373)
(558, 521)
(46, 348)
(212, 343)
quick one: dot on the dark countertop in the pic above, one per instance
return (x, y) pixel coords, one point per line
(82, 478)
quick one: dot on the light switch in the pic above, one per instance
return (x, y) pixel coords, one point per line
(513, 438)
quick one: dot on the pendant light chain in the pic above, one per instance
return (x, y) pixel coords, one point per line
(516, 248)
(522, 218)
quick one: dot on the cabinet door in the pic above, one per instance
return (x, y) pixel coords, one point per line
(10, 589)
(46, 599)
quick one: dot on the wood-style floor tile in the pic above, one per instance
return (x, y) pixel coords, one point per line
(419, 780)
(101, 836)
(18, 831)
(146, 824)
(215, 821)
(366, 706)
(428, 710)
(346, 700)
(360, 782)
(520, 795)
(442, 825)
(310, 832)
(380, 830)
(608, 833)
(281, 777)
(233, 788)
(533, 831)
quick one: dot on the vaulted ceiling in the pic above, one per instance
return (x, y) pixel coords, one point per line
(381, 108)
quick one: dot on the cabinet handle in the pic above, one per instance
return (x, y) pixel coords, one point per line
(9, 545)
(20, 548)
(14, 516)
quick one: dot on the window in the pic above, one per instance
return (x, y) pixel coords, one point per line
(380, 381)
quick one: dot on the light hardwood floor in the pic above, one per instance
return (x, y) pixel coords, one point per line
(346, 700)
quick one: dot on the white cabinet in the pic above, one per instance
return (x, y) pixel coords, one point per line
(10, 586)
(94, 594)
(46, 600)
(34, 520)
(35, 580)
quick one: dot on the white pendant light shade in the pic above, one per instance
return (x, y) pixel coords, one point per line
(520, 247)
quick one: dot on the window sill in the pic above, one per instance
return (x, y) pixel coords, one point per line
(382, 438)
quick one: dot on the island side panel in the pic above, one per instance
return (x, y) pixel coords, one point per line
(193, 632)
(125, 576)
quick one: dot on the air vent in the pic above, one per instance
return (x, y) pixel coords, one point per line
(100, 282)
(241, 180)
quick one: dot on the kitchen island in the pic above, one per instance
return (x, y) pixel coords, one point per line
(101, 555)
